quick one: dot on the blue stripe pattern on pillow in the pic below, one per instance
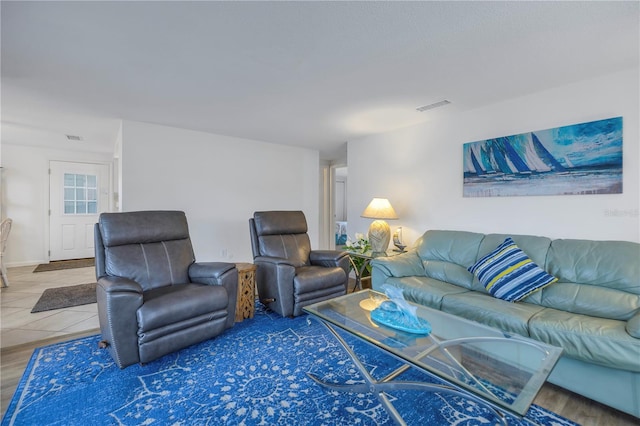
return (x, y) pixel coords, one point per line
(509, 274)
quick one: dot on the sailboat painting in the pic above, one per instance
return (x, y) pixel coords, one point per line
(583, 158)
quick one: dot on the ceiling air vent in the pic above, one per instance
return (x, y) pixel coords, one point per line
(432, 106)
(74, 138)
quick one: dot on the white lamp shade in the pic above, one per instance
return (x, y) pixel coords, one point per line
(379, 208)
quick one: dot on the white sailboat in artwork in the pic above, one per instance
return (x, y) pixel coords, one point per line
(515, 155)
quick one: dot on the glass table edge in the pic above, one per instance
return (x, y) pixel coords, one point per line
(369, 254)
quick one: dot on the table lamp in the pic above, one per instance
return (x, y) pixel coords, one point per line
(379, 232)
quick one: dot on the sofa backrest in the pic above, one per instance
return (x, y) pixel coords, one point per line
(597, 278)
(590, 272)
(152, 248)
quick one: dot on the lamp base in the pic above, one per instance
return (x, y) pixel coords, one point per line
(379, 237)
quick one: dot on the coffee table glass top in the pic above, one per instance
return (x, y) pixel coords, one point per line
(504, 369)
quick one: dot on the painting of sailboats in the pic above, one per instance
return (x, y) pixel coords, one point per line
(583, 158)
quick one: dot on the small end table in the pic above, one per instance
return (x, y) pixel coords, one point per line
(367, 257)
(245, 305)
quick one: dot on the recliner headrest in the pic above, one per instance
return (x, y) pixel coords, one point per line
(142, 227)
(280, 222)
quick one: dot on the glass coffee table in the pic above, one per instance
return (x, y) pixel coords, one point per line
(498, 370)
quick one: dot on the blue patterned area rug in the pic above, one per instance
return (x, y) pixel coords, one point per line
(253, 374)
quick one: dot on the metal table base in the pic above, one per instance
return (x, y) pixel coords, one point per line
(379, 387)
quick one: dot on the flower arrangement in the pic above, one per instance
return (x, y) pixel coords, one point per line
(360, 245)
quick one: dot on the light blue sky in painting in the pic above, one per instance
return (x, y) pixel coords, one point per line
(597, 143)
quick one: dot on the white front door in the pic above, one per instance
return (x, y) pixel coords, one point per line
(78, 193)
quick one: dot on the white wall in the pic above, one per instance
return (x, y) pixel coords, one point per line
(26, 198)
(218, 181)
(420, 168)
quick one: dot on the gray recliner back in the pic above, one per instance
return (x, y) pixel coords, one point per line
(282, 234)
(151, 248)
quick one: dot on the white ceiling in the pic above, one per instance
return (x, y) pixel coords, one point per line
(310, 74)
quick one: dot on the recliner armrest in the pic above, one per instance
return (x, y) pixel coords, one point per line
(332, 258)
(224, 274)
(327, 257)
(118, 302)
(119, 284)
(274, 279)
(209, 272)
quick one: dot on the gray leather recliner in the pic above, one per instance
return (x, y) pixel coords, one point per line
(153, 298)
(290, 275)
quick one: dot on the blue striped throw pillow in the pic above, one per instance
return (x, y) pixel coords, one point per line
(509, 274)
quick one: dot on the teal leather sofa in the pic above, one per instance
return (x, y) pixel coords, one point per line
(592, 311)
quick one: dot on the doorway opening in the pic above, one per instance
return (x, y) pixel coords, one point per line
(340, 206)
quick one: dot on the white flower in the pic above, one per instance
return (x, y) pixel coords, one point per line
(360, 245)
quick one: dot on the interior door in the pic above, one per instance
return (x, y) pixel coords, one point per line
(78, 193)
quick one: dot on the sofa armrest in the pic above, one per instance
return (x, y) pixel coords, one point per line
(633, 325)
(403, 265)
(218, 273)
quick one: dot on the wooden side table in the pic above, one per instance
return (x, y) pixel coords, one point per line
(245, 304)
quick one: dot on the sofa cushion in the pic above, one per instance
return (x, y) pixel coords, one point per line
(482, 308)
(596, 340)
(402, 265)
(535, 247)
(447, 254)
(587, 300)
(176, 303)
(612, 264)
(633, 325)
(414, 290)
(509, 274)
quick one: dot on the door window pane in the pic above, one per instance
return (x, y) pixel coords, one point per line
(78, 189)
(69, 207)
(69, 179)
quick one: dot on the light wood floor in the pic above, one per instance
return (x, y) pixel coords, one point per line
(574, 407)
(18, 325)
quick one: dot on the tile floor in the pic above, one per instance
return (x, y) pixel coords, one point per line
(18, 325)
